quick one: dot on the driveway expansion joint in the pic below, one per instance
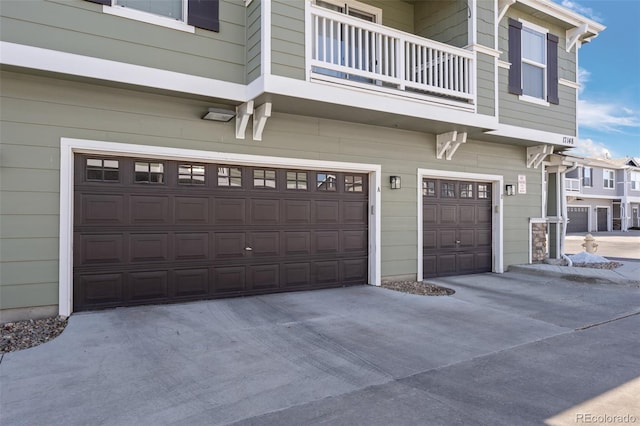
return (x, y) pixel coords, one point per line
(586, 327)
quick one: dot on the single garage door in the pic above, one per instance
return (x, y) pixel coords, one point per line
(578, 219)
(456, 227)
(152, 231)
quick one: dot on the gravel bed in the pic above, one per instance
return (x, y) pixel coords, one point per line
(417, 287)
(18, 335)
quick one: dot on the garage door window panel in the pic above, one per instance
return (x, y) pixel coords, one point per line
(230, 177)
(353, 183)
(429, 188)
(484, 191)
(447, 190)
(191, 174)
(148, 172)
(326, 182)
(466, 190)
(297, 180)
(264, 179)
(102, 170)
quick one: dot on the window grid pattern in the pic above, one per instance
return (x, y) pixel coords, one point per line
(101, 170)
(149, 172)
(264, 178)
(447, 190)
(484, 191)
(326, 182)
(230, 177)
(466, 190)
(353, 183)
(191, 174)
(297, 180)
(429, 188)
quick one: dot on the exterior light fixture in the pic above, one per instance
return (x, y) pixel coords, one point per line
(395, 181)
(509, 189)
(219, 114)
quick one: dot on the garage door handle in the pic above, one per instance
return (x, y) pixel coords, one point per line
(458, 242)
(248, 248)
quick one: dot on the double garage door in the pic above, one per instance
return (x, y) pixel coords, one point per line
(151, 231)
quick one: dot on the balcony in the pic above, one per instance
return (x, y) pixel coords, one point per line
(351, 51)
(572, 185)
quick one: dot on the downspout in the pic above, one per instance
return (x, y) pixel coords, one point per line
(565, 212)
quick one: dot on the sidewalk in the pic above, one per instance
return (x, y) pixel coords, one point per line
(628, 274)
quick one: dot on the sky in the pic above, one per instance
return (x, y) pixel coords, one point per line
(609, 72)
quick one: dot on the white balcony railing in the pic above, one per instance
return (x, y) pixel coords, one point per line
(353, 49)
(572, 185)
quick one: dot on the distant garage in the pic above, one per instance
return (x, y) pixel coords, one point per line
(161, 231)
(578, 219)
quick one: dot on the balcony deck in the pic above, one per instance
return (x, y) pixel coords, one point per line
(352, 51)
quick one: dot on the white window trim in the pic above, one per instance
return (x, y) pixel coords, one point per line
(534, 100)
(545, 84)
(496, 209)
(150, 18)
(604, 179)
(69, 147)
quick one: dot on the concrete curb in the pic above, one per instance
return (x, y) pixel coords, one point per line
(585, 275)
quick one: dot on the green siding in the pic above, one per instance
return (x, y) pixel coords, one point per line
(443, 21)
(553, 118)
(254, 40)
(38, 111)
(395, 14)
(287, 39)
(485, 23)
(486, 84)
(82, 28)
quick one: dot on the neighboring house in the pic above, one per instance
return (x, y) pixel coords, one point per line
(343, 142)
(603, 194)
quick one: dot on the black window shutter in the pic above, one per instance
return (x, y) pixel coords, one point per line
(552, 69)
(104, 2)
(204, 14)
(515, 57)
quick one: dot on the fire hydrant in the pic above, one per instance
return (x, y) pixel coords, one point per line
(590, 245)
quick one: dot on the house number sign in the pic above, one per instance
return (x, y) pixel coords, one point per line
(522, 184)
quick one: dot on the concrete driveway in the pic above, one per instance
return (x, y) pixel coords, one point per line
(615, 244)
(505, 349)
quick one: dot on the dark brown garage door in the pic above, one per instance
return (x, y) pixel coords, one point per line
(456, 227)
(578, 219)
(151, 231)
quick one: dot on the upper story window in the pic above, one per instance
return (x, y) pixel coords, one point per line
(534, 63)
(634, 177)
(184, 15)
(173, 9)
(587, 172)
(608, 179)
(533, 53)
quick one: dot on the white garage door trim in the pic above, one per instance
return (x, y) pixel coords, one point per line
(69, 147)
(497, 219)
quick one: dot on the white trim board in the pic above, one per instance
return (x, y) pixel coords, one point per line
(20, 55)
(496, 208)
(69, 147)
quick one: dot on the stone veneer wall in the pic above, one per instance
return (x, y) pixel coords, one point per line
(538, 242)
